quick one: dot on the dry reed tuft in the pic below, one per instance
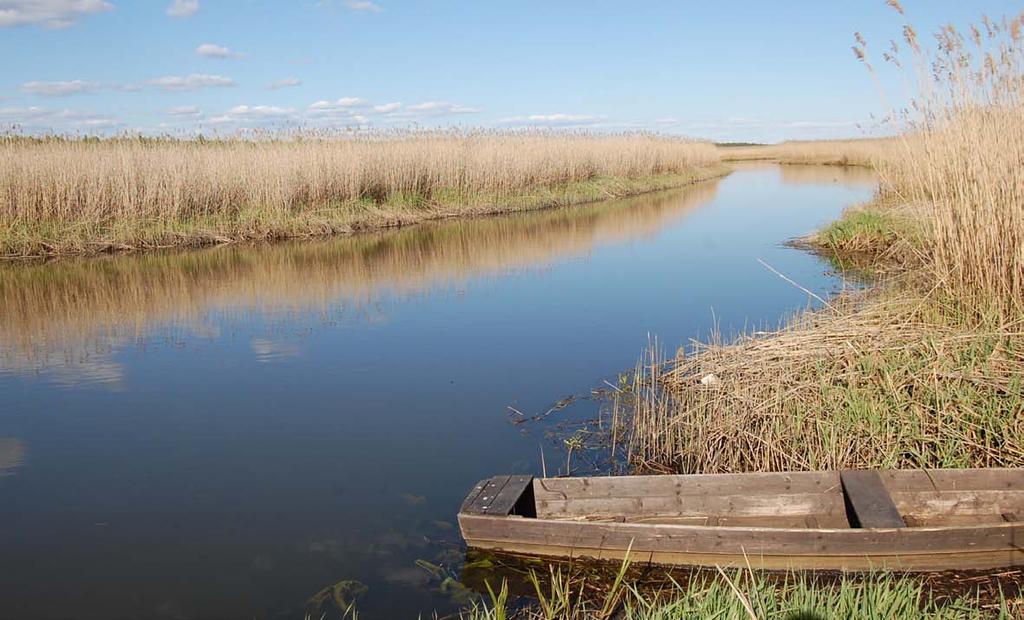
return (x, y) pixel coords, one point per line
(868, 383)
(88, 195)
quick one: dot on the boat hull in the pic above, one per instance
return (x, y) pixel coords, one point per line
(898, 520)
(907, 550)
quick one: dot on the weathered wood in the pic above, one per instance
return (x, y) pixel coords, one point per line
(675, 485)
(778, 521)
(486, 495)
(988, 479)
(947, 496)
(850, 549)
(506, 499)
(473, 494)
(824, 505)
(868, 500)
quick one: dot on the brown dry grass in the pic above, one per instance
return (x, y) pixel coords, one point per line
(877, 382)
(85, 195)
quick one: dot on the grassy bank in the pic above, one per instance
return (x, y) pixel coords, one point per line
(83, 196)
(926, 369)
(740, 596)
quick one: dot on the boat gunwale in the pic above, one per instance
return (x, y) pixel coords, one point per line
(755, 529)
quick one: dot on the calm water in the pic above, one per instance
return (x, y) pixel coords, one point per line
(223, 433)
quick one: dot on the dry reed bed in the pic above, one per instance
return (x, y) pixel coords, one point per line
(68, 312)
(862, 152)
(87, 195)
(927, 370)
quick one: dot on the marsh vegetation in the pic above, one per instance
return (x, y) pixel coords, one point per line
(923, 370)
(83, 195)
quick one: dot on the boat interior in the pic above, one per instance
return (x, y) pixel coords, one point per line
(813, 500)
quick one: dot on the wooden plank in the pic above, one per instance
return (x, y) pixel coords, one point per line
(473, 494)
(690, 539)
(979, 560)
(946, 520)
(503, 503)
(869, 501)
(689, 485)
(491, 488)
(725, 505)
(923, 480)
(926, 505)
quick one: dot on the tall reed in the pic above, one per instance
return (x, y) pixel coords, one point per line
(962, 158)
(73, 195)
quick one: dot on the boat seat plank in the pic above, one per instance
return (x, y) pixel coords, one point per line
(473, 494)
(503, 503)
(483, 499)
(869, 501)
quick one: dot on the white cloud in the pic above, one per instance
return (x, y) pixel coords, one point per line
(387, 108)
(439, 108)
(355, 109)
(363, 6)
(340, 104)
(554, 120)
(183, 8)
(212, 50)
(59, 89)
(38, 119)
(260, 110)
(190, 82)
(350, 102)
(49, 13)
(287, 82)
(185, 110)
(255, 114)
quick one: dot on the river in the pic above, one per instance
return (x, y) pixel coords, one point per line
(222, 433)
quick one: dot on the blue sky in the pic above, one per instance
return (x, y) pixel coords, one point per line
(729, 70)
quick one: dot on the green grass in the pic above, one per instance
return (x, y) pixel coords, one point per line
(863, 230)
(743, 596)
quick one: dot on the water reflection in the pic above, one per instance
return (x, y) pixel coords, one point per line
(12, 455)
(247, 432)
(65, 319)
(810, 175)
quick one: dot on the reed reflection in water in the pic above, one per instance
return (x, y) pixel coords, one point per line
(66, 318)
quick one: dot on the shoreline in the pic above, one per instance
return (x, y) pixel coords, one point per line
(346, 219)
(902, 373)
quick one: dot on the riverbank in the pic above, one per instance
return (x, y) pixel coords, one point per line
(925, 368)
(88, 196)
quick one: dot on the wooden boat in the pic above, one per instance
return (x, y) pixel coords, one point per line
(923, 520)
